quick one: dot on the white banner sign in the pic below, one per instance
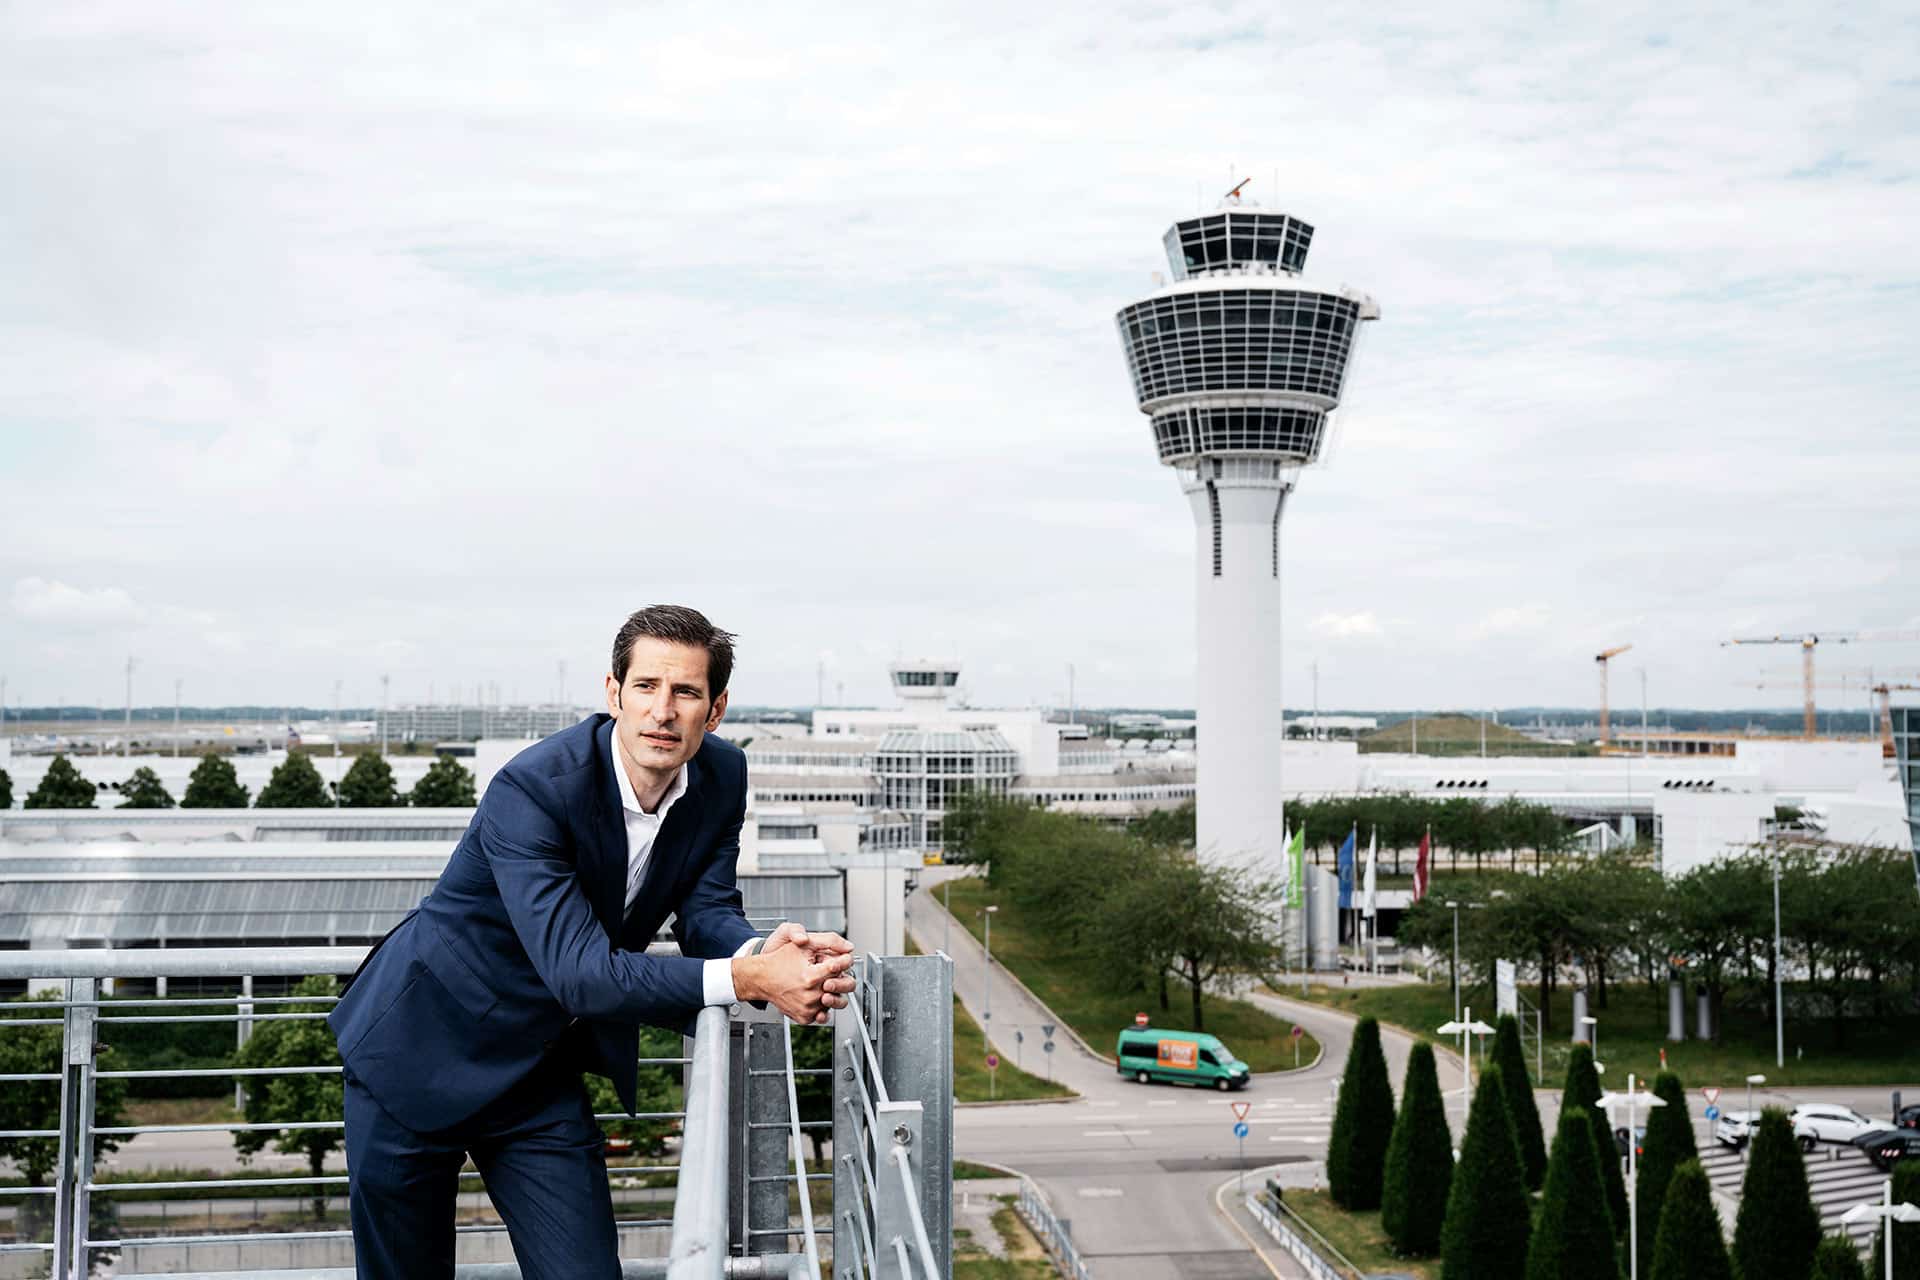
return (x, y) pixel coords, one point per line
(1506, 989)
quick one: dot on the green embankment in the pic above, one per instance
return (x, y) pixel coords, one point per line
(1458, 735)
(1097, 1007)
(1009, 1083)
(1359, 1236)
(1632, 1032)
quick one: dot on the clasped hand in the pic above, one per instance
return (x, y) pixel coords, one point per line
(802, 973)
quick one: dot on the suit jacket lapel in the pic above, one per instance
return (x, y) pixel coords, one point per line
(603, 860)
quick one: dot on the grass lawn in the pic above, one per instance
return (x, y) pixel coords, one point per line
(1024, 1260)
(1357, 1235)
(1096, 1007)
(1632, 1031)
(970, 1083)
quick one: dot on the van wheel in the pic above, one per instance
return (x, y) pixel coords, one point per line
(1222, 1084)
(1141, 1077)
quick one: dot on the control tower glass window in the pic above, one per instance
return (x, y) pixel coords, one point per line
(1233, 239)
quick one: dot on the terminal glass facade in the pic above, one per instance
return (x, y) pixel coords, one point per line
(922, 771)
(1237, 238)
(1906, 754)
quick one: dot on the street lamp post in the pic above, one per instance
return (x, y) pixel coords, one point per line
(1455, 908)
(1751, 1081)
(986, 1012)
(1887, 1210)
(1634, 1101)
(1465, 1028)
(1779, 1006)
(1593, 1037)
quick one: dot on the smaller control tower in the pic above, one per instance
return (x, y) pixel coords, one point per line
(1239, 365)
(922, 682)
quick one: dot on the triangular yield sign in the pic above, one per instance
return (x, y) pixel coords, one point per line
(1240, 1110)
(1713, 1096)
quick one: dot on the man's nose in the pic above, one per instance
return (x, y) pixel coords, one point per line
(661, 708)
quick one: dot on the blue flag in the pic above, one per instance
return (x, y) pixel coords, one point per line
(1346, 871)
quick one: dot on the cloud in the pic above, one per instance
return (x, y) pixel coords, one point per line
(1509, 620)
(1344, 626)
(56, 604)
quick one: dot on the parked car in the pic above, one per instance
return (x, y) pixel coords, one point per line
(1179, 1057)
(1907, 1118)
(1639, 1141)
(1733, 1128)
(1817, 1122)
(1888, 1147)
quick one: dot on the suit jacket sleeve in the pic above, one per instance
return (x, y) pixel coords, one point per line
(525, 846)
(711, 920)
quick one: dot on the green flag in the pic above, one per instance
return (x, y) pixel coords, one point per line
(1297, 868)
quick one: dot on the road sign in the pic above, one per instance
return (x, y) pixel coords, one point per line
(1046, 1030)
(1240, 1129)
(1139, 1019)
(1240, 1110)
(1297, 1031)
(1713, 1112)
(1048, 1046)
(993, 1060)
(1713, 1095)
(1019, 1036)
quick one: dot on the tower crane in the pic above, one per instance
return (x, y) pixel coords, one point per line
(1601, 659)
(1810, 640)
(1882, 691)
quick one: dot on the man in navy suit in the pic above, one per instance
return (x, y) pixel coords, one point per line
(467, 1029)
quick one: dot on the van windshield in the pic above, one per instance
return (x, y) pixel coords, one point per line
(1225, 1054)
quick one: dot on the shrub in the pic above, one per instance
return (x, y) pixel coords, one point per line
(1488, 1213)
(1512, 1061)
(1837, 1259)
(214, 785)
(1778, 1228)
(1669, 1143)
(1413, 1196)
(1906, 1235)
(1687, 1243)
(1583, 1090)
(1574, 1238)
(1362, 1123)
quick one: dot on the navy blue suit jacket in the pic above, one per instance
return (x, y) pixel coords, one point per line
(527, 931)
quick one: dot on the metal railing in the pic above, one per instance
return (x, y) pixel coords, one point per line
(1296, 1235)
(742, 1125)
(1051, 1231)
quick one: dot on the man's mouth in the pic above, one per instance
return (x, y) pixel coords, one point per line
(661, 739)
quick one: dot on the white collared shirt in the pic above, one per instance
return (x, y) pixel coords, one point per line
(643, 828)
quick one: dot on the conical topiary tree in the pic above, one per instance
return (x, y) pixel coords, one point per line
(1362, 1123)
(1512, 1061)
(1583, 1090)
(369, 784)
(445, 785)
(6, 790)
(1687, 1243)
(1669, 1143)
(214, 785)
(1488, 1212)
(144, 790)
(1837, 1259)
(1778, 1228)
(1574, 1239)
(1413, 1197)
(61, 787)
(1906, 1235)
(295, 784)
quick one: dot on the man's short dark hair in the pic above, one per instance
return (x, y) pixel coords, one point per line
(677, 624)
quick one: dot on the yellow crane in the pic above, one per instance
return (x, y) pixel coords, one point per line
(1882, 691)
(1810, 640)
(1601, 659)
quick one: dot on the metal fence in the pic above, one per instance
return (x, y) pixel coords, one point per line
(1050, 1231)
(1306, 1246)
(743, 1199)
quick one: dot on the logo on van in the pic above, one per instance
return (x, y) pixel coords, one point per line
(1180, 1054)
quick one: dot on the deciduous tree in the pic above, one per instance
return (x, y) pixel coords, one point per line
(1413, 1196)
(1777, 1228)
(61, 787)
(295, 784)
(294, 1098)
(445, 785)
(214, 785)
(1362, 1123)
(1489, 1216)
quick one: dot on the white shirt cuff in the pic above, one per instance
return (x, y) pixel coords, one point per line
(716, 977)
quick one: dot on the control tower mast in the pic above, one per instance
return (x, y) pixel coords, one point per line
(1239, 365)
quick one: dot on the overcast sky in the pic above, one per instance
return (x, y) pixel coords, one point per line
(430, 339)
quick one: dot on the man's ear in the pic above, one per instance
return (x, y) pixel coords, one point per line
(719, 710)
(613, 695)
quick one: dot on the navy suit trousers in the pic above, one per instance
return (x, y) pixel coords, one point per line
(541, 1155)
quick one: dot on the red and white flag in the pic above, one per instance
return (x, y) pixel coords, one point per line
(1420, 866)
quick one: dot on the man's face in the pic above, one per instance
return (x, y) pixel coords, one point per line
(663, 708)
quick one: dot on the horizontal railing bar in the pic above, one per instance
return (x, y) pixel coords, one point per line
(27, 1191)
(798, 1071)
(202, 1072)
(216, 1017)
(641, 1115)
(275, 1237)
(788, 1177)
(29, 1133)
(789, 1231)
(331, 1180)
(32, 1022)
(28, 1077)
(782, 1124)
(183, 962)
(25, 1248)
(125, 1130)
(171, 1002)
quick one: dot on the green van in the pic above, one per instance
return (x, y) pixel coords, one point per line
(1180, 1057)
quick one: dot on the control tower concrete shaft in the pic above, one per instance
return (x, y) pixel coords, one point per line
(1239, 366)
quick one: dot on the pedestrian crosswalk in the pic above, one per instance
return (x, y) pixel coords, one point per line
(1838, 1177)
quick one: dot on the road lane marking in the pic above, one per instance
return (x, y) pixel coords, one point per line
(1116, 1133)
(1100, 1193)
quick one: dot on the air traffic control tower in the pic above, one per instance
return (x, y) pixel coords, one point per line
(1239, 364)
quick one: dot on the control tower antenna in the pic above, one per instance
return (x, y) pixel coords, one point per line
(1233, 196)
(1238, 365)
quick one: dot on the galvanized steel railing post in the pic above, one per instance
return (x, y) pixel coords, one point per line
(74, 1162)
(700, 1205)
(918, 1068)
(846, 1071)
(894, 1219)
(767, 1137)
